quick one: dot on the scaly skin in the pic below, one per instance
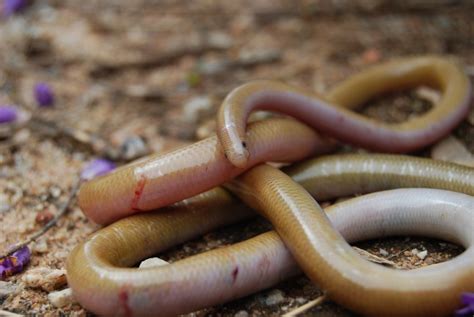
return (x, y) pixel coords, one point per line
(164, 179)
(328, 260)
(94, 268)
(161, 180)
(333, 116)
(102, 284)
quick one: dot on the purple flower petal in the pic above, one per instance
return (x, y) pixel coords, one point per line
(467, 311)
(467, 298)
(8, 113)
(464, 312)
(14, 263)
(11, 7)
(23, 255)
(44, 95)
(96, 168)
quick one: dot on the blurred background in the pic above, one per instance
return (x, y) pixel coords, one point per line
(136, 77)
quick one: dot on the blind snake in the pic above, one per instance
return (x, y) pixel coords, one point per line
(101, 282)
(333, 114)
(161, 180)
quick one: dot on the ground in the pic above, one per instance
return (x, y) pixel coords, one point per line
(134, 77)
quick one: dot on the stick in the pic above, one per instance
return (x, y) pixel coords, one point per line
(49, 225)
(305, 307)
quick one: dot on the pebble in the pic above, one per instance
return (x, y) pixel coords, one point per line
(61, 298)
(6, 289)
(301, 300)
(428, 94)
(422, 255)
(152, 262)
(40, 247)
(241, 313)
(4, 203)
(43, 217)
(383, 252)
(196, 107)
(45, 278)
(452, 150)
(275, 297)
(220, 39)
(134, 147)
(55, 191)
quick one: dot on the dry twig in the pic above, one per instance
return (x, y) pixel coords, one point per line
(305, 307)
(63, 210)
(374, 258)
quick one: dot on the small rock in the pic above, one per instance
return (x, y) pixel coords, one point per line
(40, 247)
(4, 203)
(141, 91)
(134, 147)
(414, 251)
(152, 262)
(61, 255)
(242, 313)
(428, 94)
(43, 217)
(275, 297)
(422, 255)
(372, 55)
(55, 191)
(301, 300)
(220, 39)
(452, 150)
(22, 136)
(6, 289)
(45, 278)
(196, 107)
(383, 252)
(61, 298)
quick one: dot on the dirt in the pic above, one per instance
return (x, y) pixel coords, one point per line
(128, 70)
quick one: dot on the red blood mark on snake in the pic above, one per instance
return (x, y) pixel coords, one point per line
(235, 273)
(138, 192)
(123, 299)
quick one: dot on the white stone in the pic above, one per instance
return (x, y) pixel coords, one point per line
(4, 203)
(383, 252)
(195, 107)
(275, 297)
(61, 298)
(422, 255)
(44, 278)
(152, 262)
(242, 313)
(40, 247)
(7, 288)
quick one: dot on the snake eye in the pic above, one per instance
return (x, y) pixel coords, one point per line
(244, 144)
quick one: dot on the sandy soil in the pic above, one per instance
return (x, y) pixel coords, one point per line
(134, 77)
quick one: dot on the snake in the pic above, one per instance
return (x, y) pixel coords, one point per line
(333, 115)
(98, 270)
(161, 180)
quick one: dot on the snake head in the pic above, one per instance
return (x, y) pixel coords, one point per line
(238, 154)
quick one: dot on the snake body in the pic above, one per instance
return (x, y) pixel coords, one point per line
(99, 278)
(333, 115)
(160, 180)
(96, 268)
